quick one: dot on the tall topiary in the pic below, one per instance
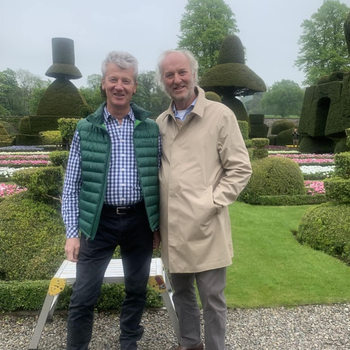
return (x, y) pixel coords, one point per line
(232, 77)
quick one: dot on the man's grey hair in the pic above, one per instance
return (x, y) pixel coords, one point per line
(193, 65)
(123, 60)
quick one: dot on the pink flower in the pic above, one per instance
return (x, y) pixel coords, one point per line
(314, 187)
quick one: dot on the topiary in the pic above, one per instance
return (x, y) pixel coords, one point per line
(32, 239)
(326, 227)
(316, 145)
(284, 137)
(210, 95)
(281, 125)
(273, 176)
(342, 146)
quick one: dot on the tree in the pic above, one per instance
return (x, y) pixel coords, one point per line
(9, 92)
(28, 83)
(323, 46)
(284, 98)
(92, 93)
(253, 103)
(149, 94)
(203, 27)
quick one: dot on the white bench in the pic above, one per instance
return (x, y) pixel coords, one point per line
(114, 274)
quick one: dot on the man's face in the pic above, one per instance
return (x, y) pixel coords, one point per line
(119, 85)
(178, 79)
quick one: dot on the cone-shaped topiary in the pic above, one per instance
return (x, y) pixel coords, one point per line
(273, 176)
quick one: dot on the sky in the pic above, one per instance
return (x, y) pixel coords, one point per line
(269, 30)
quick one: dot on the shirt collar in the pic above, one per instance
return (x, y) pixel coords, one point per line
(107, 115)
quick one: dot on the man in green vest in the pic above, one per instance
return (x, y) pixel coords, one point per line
(110, 198)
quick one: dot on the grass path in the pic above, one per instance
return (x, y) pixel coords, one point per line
(271, 268)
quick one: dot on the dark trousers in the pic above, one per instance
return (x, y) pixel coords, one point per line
(132, 233)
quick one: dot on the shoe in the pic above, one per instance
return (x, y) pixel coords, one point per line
(180, 347)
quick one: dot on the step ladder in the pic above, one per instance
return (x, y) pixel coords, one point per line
(65, 275)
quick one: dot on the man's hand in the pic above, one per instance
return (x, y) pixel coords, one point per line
(156, 239)
(72, 249)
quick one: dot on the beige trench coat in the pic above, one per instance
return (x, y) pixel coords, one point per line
(205, 165)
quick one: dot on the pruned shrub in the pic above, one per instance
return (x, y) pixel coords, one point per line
(326, 227)
(244, 127)
(316, 145)
(281, 125)
(341, 146)
(337, 189)
(32, 239)
(51, 137)
(273, 176)
(42, 183)
(342, 165)
(59, 158)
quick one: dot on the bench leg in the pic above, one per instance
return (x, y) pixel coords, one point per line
(45, 311)
(169, 304)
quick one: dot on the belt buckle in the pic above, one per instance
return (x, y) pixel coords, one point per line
(117, 210)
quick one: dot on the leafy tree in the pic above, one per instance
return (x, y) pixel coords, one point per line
(149, 94)
(203, 27)
(28, 82)
(283, 98)
(92, 93)
(253, 103)
(9, 92)
(323, 48)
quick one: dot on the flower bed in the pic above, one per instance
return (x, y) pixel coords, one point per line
(314, 187)
(8, 190)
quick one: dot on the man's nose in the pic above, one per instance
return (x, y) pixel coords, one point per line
(177, 78)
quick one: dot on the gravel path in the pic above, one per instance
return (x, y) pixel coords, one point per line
(311, 327)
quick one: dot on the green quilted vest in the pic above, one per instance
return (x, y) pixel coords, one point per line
(95, 158)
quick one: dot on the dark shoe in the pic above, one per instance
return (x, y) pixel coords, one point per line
(180, 347)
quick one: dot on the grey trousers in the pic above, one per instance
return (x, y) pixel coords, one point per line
(211, 285)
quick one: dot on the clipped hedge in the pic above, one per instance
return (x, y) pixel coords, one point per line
(30, 296)
(290, 200)
(42, 183)
(273, 176)
(316, 145)
(244, 127)
(342, 165)
(281, 125)
(326, 227)
(342, 146)
(32, 237)
(259, 150)
(337, 189)
(284, 137)
(50, 137)
(59, 158)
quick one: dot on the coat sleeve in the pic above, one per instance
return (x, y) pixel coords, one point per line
(234, 158)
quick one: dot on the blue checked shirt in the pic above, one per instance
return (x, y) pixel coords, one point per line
(123, 185)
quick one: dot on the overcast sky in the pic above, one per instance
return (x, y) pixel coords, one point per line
(269, 30)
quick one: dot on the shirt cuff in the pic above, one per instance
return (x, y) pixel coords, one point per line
(72, 232)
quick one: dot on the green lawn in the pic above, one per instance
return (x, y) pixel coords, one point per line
(271, 268)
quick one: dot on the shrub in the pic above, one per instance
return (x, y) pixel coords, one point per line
(341, 146)
(316, 145)
(210, 95)
(281, 125)
(342, 165)
(32, 238)
(51, 137)
(326, 227)
(244, 127)
(337, 189)
(284, 137)
(273, 176)
(291, 200)
(42, 183)
(259, 150)
(67, 127)
(59, 158)
(30, 295)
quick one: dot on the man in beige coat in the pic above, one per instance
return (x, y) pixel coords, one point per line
(205, 166)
